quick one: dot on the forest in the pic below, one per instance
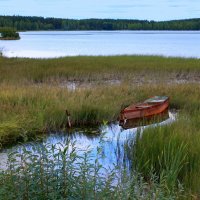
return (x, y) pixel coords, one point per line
(26, 23)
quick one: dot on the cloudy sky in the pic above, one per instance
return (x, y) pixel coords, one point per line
(79, 9)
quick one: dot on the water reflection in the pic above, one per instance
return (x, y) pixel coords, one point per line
(155, 119)
(111, 141)
(75, 85)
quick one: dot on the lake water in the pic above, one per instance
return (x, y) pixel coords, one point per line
(49, 44)
(112, 143)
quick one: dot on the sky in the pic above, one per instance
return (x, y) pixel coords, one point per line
(158, 10)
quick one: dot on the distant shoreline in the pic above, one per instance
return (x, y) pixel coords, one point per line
(139, 31)
(23, 23)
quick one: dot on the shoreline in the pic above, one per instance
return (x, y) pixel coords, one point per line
(100, 56)
(8, 38)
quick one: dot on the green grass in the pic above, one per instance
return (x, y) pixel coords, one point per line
(172, 152)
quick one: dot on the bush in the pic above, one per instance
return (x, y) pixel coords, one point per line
(9, 33)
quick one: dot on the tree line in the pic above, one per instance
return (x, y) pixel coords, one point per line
(23, 23)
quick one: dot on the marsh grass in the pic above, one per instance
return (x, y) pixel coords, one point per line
(101, 68)
(28, 110)
(171, 152)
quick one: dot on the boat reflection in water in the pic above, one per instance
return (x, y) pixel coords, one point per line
(145, 121)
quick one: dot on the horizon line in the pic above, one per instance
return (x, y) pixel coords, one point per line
(180, 19)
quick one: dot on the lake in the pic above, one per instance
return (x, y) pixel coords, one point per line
(50, 44)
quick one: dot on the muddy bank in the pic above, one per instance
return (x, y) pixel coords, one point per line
(139, 80)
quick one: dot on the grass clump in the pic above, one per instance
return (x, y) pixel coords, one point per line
(171, 152)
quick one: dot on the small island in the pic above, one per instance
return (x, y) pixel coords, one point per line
(9, 34)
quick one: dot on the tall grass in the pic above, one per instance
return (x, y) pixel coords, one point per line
(28, 110)
(171, 152)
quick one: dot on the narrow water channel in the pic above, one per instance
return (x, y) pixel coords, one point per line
(111, 141)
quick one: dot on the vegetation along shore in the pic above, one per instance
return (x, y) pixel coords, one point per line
(8, 34)
(35, 93)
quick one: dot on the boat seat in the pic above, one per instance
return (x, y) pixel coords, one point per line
(143, 106)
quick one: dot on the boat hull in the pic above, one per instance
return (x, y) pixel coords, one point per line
(137, 112)
(137, 122)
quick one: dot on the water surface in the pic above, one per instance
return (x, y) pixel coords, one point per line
(50, 44)
(111, 140)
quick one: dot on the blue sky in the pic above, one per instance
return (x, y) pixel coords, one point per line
(124, 9)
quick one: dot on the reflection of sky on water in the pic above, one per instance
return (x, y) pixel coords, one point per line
(112, 143)
(51, 44)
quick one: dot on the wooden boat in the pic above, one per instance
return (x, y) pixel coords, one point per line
(150, 107)
(154, 119)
